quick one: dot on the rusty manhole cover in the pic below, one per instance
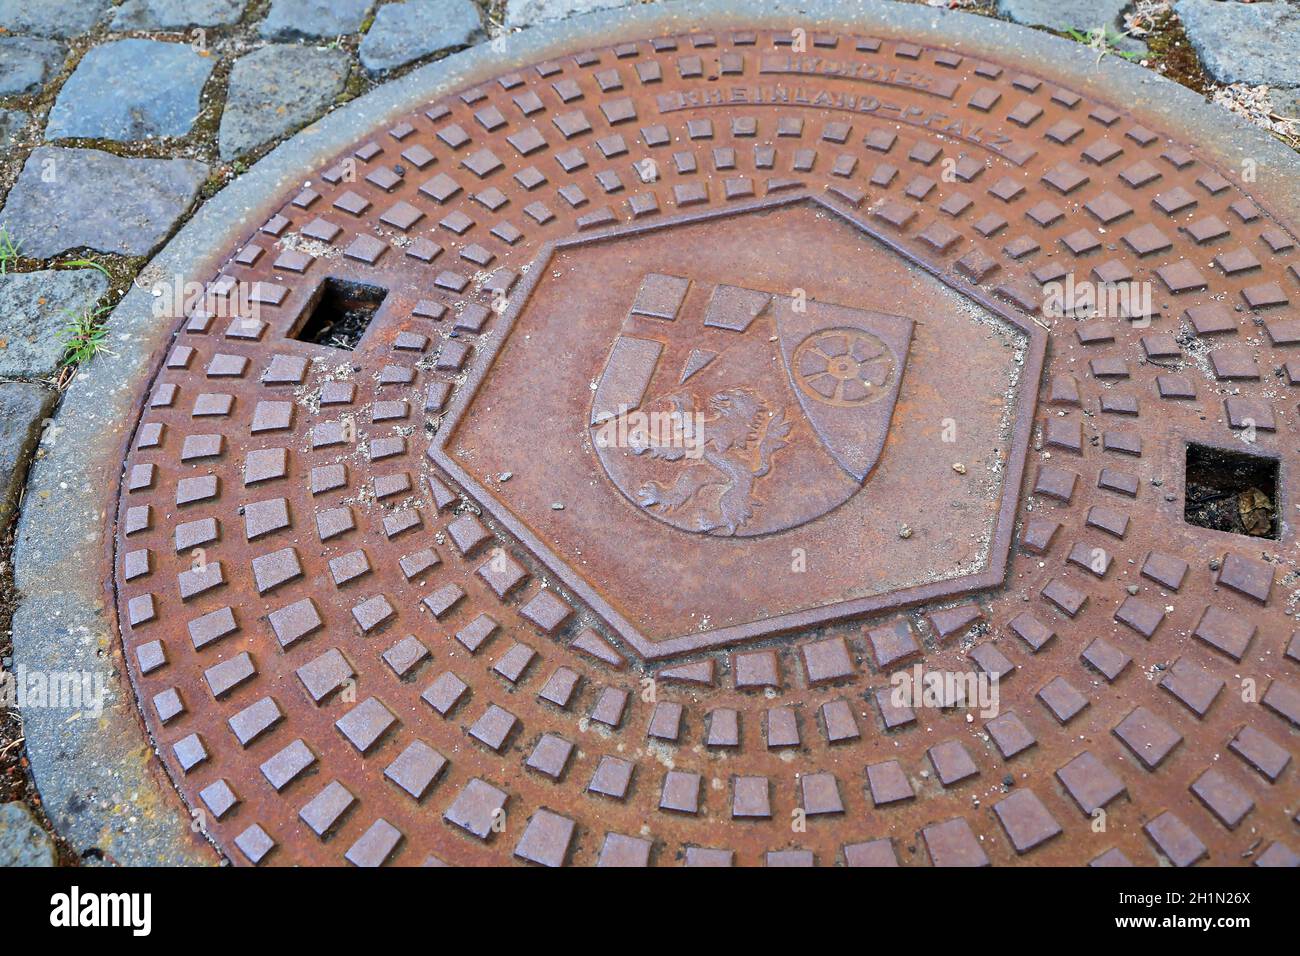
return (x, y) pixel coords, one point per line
(564, 474)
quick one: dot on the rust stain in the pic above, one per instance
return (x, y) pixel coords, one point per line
(435, 598)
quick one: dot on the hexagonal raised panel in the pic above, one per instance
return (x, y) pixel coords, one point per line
(727, 426)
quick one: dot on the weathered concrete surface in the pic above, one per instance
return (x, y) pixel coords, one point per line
(34, 307)
(275, 90)
(23, 407)
(131, 90)
(22, 841)
(1082, 15)
(67, 198)
(526, 13)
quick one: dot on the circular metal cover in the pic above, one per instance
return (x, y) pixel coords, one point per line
(706, 389)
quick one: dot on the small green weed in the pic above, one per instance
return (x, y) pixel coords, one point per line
(84, 336)
(1103, 40)
(8, 251)
(88, 263)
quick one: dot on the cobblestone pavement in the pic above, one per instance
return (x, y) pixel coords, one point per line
(118, 118)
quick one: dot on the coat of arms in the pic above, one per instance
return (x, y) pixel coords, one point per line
(733, 411)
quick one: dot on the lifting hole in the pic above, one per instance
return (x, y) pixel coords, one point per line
(1231, 491)
(340, 313)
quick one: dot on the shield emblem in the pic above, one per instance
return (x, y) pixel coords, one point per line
(733, 411)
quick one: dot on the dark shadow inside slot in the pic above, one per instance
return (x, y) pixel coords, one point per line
(340, 314)
(1231, 491)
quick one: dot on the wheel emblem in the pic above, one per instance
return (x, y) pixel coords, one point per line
(844, 367)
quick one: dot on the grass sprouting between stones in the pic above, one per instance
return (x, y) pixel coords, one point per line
(88, 264)
(84, 336)
(1102, 39)
(8, 251)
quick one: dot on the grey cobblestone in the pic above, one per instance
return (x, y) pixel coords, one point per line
(275, 90)
(298, 19)
(68, 198)
(1064, 14)
(1287, 102)
(22, 841)
(1250, 43)
(28, 63)
(403, 32)
(12, 124)
(176, 14)
(51, 18)
(34, 306)
(24, 407)
(130, 90)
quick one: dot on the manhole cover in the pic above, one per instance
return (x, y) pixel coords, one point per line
(567, 473)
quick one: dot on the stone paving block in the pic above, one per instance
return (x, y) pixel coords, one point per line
(525, 13)
(1063, 14)
(176, 14)
(22, 840)
(403, 32)
(1083, 15)
(12, 124)
(99, 200)
(23, 406)
(275, 90)
(296, 19)
(1245, 42)
(131, 90)
(51, 18)
(34, 306)
(27, 63)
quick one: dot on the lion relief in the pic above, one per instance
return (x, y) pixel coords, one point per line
(735, 439)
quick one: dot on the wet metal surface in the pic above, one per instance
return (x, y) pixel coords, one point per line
(437, 600)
